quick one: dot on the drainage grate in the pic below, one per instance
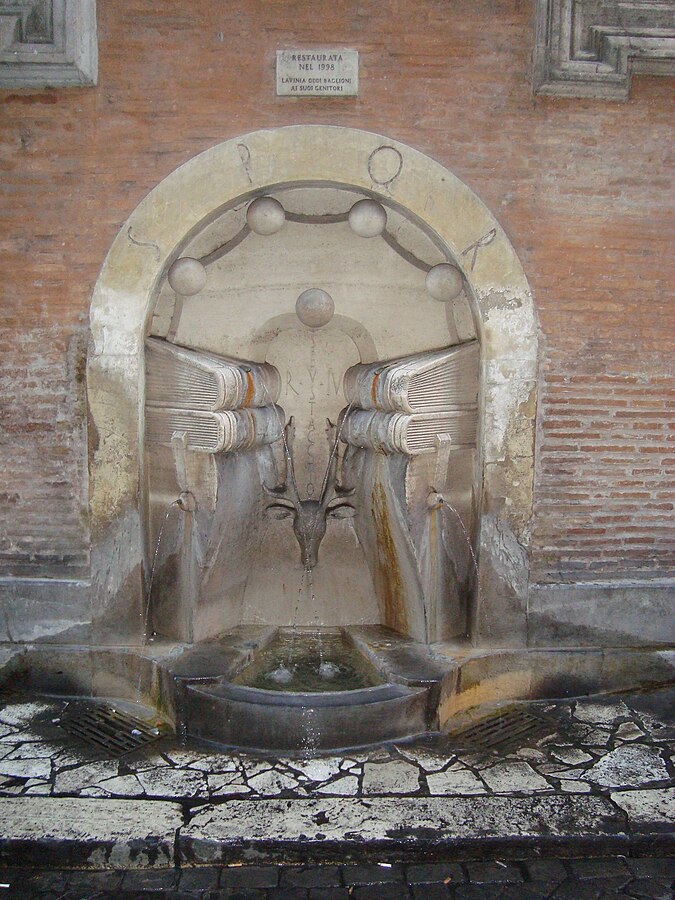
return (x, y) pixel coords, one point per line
(110, 729)
(507, 730)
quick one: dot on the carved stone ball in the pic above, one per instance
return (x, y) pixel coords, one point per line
(367, 218)
(314, 308)
(187, 276)
(265, 215)
(444, 282)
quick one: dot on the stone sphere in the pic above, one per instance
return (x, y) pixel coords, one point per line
(314, 308)
(444, 282)
(265, 215)
(367, 218)
(187, 276)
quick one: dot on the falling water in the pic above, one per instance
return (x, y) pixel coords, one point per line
(310, 738)
(284, 673)
(146, 616)
(325, 669)
(449, 506)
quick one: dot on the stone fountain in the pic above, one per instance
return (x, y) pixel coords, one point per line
(312, 388)
(293, 440)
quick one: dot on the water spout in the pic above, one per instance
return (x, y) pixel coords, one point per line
(436, 501)
(187, 503)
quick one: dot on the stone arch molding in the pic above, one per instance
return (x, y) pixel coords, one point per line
(193, 195)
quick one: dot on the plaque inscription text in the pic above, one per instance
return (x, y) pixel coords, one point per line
(314, 73)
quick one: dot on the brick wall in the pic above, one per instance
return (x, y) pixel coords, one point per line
(582, 188)
(604, 499)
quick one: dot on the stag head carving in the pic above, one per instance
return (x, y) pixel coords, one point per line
(310, 516)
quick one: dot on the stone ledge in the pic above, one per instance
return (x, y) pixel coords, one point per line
(42, 609)
(601, 615)
(403, 827)
(135, 834)
(88, 833)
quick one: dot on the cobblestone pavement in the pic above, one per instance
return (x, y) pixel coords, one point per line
(178, 820)
(581, 879)
(601, 746)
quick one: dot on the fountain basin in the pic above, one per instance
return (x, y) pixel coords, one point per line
(193, 687)
(309, 662)
(305, 723)
(366, 703)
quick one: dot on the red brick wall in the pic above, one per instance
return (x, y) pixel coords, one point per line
(582, 188)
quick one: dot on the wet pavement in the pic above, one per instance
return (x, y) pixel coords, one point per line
(587, 810)
(581, 879)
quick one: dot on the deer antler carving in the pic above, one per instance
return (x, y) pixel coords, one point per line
(309, 516)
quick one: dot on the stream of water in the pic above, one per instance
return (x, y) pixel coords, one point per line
(148, 595)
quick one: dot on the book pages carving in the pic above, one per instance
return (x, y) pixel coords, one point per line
(219, 403)
(436, 393)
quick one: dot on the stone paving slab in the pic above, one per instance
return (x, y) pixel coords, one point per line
(313, 829)
(603, 779)
(88, 832)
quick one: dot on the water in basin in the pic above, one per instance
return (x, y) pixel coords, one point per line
(309, 663)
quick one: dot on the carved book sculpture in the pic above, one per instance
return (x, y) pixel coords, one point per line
(220, 404)
(406, 404)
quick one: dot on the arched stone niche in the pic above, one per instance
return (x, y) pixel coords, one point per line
(185, 203)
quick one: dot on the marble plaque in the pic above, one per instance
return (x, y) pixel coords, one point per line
(317, 73)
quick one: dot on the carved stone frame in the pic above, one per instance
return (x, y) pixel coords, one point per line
(64, 53)
(590, 48)
(242, 168)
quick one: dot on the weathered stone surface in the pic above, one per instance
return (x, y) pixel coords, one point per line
(227, 785)
(648, 808)
(104, 833)
(628, 731)
(20, 714)
(395, 777)
(172, 783)
(572, 756)
(345, 786)
(628, 765)
(273, 782)
(122, 786)
(509, 777)
(574, 787)
(600, 713)
(320, 769)
(455, 780)
(68, 781)
(471, 820)
(26, 768)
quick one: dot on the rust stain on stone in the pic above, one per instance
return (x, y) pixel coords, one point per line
(249, 389)
(373, 389)
(388, 571)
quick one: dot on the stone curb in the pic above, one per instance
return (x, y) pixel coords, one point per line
(133, 834)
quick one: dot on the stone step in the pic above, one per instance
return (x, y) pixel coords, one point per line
(44, 832)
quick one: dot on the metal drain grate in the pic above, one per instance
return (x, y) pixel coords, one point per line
(506, 730)
(109, 729)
